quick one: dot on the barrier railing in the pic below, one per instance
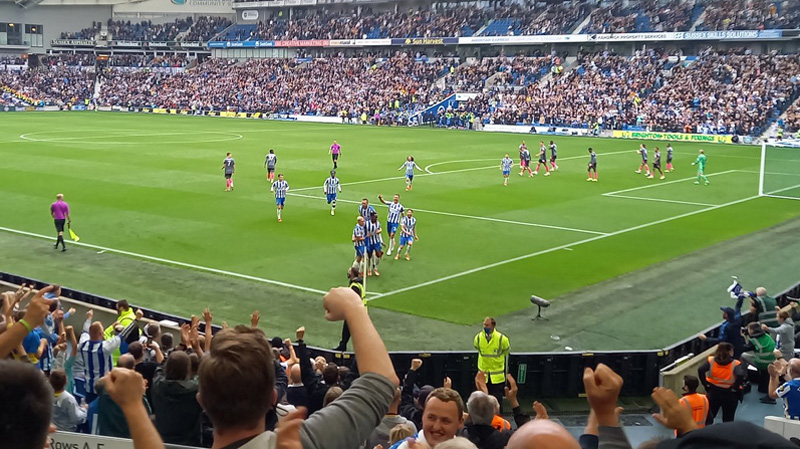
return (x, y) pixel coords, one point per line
(539, 374)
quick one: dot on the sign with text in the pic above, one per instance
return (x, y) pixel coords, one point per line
(711, 138)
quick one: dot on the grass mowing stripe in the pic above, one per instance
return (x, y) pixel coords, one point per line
(472, 217)
(173, 262)
(560, 247)
(666, 183)
(658, 199)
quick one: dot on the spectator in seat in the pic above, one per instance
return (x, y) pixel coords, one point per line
(143, 366)
(731, 329)
(296, 393)
(178, 415)
(381, 434)
(111, 420)
(479, 429)
(237, 381)
(788, 391)
(759, 352)
(783, 334)
(442, 418)
(67, 414)
(722, 377)
(763, 307)
(315, 389)
(27, 405)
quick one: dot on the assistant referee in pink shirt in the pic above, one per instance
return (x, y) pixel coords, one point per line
(60, 212)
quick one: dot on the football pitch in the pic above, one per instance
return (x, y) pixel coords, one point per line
(148, 199)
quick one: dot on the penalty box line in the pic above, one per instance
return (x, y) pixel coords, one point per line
(472, 217)
(173, 262)
(558, 248)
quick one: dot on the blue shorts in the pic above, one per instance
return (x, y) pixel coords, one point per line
(360, 251)
(280, 201)
(506, 172)
(406, 240)
(79, 390)
(393, 227)
(410, 177)
(330, 197)
(375, 247)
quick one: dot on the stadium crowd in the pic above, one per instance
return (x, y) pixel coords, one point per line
(792, 120)
(237, 388)
(750, 15)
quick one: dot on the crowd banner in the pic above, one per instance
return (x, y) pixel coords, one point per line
(710, 138)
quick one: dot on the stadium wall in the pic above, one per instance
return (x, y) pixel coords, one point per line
(55, 19)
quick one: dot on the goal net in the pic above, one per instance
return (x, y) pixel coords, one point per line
(779, 175)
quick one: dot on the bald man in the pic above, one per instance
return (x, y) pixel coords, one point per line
(789, 391)
(95, 354)
(60, 213)
(542, 434)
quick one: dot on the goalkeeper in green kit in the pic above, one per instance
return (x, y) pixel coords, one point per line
(701, 167)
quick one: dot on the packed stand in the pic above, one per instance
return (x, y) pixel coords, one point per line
(387, 90)
(724, 94)
(147, 31)
(206, 27)
(86, 33)
(750, 15)
(68, 60)
(237, 388)
(616, 18)
(57, 85)
(792, 120)
(134, 60)
(604, 88)
(12, 60)
(556, 19)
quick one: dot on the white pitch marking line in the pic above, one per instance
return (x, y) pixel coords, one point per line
(450, 214)
(768, 173)
(427, 168)
(173, 262)
(658, 200)
(656, 184)
(560, 247)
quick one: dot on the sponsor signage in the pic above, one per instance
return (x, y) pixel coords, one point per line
(127, 44)
(250, 14)
(710, 138)
(359, 42)
(304, 43)
(425, 41)
(75, 42)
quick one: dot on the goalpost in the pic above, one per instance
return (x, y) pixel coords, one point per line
(779, 173)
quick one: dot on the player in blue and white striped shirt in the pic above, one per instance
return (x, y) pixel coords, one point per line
(365, 209)
(374, 244)
(393, 219)
(408, 234)
(410, 165)
(280, 187)
(329, 188)
(359, 243)
(505, 165)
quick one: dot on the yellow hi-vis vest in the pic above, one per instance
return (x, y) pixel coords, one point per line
(492, 356)
(360, 287)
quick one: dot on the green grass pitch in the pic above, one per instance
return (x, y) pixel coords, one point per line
(143, 186)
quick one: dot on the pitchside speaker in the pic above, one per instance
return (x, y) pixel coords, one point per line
(539, 302)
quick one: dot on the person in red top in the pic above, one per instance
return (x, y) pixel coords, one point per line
(60, 212)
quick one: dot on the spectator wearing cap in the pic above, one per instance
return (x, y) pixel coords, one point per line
(788, 391)
(381, 434)
(411, 403)
(174, 393)
(731, 329)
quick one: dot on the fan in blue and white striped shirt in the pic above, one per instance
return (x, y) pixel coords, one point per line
(393, 219)
(329, 188)
(95, 354)
(280, 187)
(374, 244)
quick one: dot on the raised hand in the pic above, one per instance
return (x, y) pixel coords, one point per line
(339, 301)
(254, 317)
(602, 390)
(207, 317)
(673, 415)
(300, 333)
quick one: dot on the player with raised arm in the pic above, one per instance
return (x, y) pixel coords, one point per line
(701, 167)
(642, 151)
(409, 165)
(393, 219)
(592, 166)
(669, 158)
(280, 187)
(335, 151)
(269, 164)
(329, 188)
(365, 209)
(408, 234)
(505, 166)
(374, 244)
(656, 164)
(553, 155)
(542, 160)
(229, 165)
(359, 242)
